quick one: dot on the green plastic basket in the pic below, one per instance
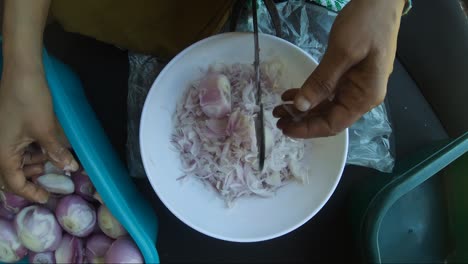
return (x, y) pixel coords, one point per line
(419, 212)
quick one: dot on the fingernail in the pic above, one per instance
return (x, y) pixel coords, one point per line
(73, 166)
(44, 200)
(302, 104)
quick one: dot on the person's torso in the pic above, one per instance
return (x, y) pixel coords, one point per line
(157, 27)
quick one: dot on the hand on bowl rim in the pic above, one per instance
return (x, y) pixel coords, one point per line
(353, 74)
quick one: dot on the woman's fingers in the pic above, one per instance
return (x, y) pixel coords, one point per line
(36, 157)
(33, 170)
(14, 180)
(58, 154)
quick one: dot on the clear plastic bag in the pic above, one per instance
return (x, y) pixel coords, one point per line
(369, 141)
(142, 72)
(307, 26)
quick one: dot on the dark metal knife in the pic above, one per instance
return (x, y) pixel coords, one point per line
(259, 124)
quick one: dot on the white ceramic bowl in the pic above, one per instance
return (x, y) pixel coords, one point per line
(252, 218)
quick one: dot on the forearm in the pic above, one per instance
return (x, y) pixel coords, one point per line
(23, 27)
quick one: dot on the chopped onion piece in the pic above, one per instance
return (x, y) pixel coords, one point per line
(76, 216)
(215, 95)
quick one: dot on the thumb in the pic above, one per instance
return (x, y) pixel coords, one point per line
(322, 82)
(12, 178)
(58, 154)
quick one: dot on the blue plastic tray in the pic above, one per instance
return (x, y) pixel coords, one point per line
(98, 158)
(404, 217)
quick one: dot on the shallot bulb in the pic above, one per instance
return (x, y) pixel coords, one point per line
(97, 246)
(108, 224)
(38, 229)
(241, 126)
(42, 258)
(216, 127)
(76, 216)
(12, 203)
(123, 250)
(83, 185)
(11, 249)
(70, 250)
(50, 168)
(56, 183)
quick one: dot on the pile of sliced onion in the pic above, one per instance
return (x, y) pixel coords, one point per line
(74, 226)
(214, 132)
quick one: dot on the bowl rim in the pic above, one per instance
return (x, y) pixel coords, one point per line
(183, 219)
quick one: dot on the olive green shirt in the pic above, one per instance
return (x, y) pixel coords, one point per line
(157, 27)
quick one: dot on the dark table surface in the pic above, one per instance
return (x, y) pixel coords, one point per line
(327, 237)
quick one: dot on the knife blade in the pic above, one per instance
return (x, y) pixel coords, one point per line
(259, 123)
